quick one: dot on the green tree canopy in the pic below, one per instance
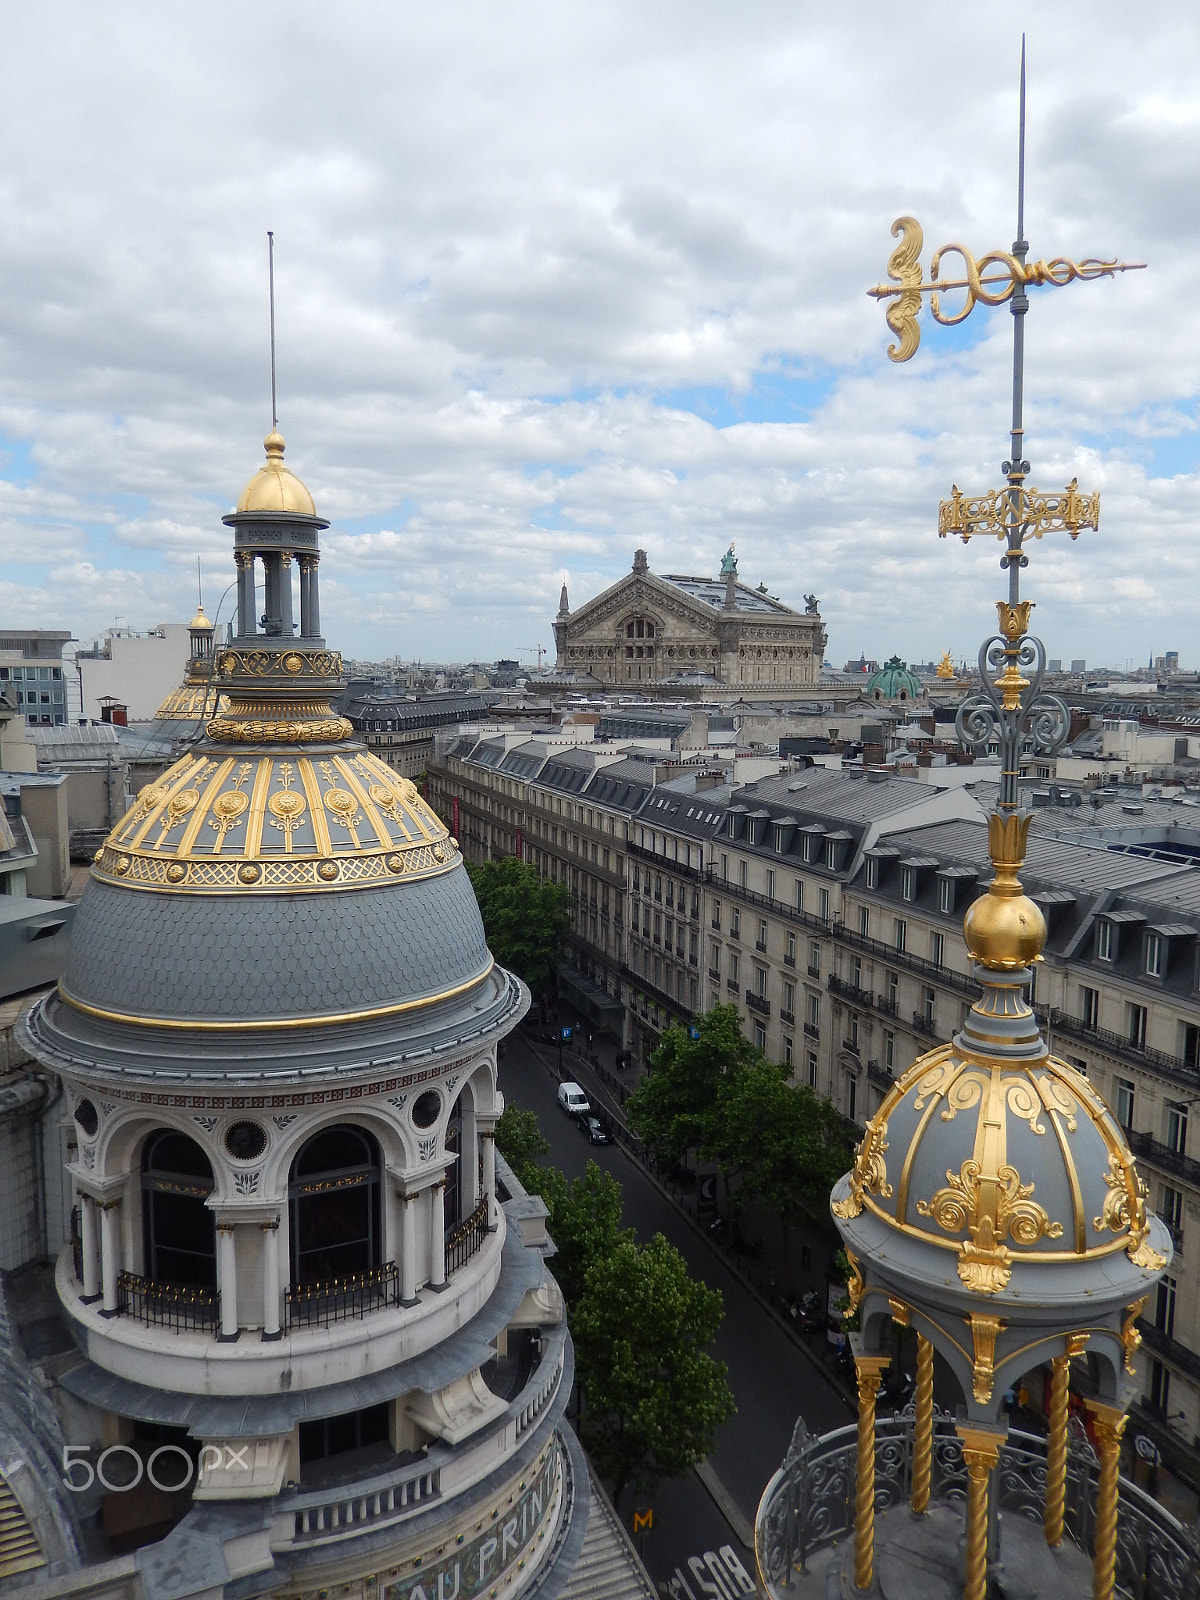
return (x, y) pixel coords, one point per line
(520, 1141)
(654, 1397)
(674, 1107)
(584, 1221)
(524, 917)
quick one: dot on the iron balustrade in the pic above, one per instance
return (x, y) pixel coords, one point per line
(887, 1006)
(1146, 1146)
(758, 1002)
(316, 1305)
(881, 1075)
(813, 972)
(811, 1030)
(851, 1045)
(463, 1240)
(850, 991)
(1165, 1345)
(787, 1016)
(1119, 1044)
(809, 1503)
(182, 1307)
(923, 1024)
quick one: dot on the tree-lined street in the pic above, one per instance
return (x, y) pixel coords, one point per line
(773, 1382)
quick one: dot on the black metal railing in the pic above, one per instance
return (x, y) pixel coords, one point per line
(880, 1075)
(315, 1305)
(923, 1024)
(1161, 1155)
(851, 1045)
(180, 1306)
(811, 1030)
(1163, 1344)
(850, 991)
(463, 1240)
(758, 1002)
(813, 972)
(787, 1016)
(1120, 1045)
(886, 1005)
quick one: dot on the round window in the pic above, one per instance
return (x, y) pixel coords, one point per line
(427, 1109)
(245, 1140)
(85, 1116)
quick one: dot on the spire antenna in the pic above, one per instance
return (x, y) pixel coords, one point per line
(199, 584)
(1021, 153)
(271, 279)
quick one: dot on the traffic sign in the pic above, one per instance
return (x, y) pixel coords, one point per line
(566, 1034)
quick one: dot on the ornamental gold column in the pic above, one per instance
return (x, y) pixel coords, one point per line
(1108, 1423)
(1056, 1443)
(870, 1371)
(922, 1467)
(981, 1452)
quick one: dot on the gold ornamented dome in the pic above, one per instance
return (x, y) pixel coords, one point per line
(275, 488)
(200, 623)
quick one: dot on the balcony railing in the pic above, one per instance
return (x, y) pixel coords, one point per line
(811, 1030)
(714, 974)
(1118, 1044)
(886, 1005)
(850, 991)
(813, 971)
(851, 1045)
(810, 1503)
(881, 1075)
(463, 1241)
(787, 1016)
(924, 1024)
(758, 1002)
(1170, 1349)
(1162, 1156)
(732, 985)
(315, 1305)
(179, 1306)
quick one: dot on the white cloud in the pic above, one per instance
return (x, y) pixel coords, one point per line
(524, 252)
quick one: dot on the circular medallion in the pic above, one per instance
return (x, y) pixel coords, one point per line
(186, 800)
(176, 872)
(342, 805)
(250, 872)
(293, 663)
(395, 863)
(245, 1140)
(328, 870)
(229, 805)
(381, 795)
(286, 804)
(438, 853)
(408, 789)
(121, 866)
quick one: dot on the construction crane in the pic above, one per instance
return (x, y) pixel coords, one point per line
(528, 649)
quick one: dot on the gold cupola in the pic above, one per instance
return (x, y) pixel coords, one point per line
(274, 487)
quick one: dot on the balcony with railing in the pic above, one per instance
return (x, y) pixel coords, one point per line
(1147, 1148)
(806, 1516)
(811, 1030)
(851, 1046)
(758, 1002)
(787, 1017)
(181, 1307)
(886, 1005)
(1169, 1349)
(883, 1076)
(923, 1023)
(316, 1305)
(1119, 1045)
(850, 991)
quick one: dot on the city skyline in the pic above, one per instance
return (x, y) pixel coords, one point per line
(553, 288)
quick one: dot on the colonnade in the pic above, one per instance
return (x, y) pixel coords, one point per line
(981, 1448)
(277, 573)
(102, 1254)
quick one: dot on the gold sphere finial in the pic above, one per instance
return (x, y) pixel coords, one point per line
(1004, 929)
(274, 446)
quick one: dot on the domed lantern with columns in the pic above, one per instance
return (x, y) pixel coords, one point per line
(278, 1031)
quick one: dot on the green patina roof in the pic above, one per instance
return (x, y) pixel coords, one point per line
(894, 681)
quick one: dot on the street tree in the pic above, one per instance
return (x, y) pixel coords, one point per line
(520, 1141)
(654, 1397)
(584, 1221)
(673, 1109)
(524, 916)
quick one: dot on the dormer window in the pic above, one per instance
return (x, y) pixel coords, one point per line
(1155, 962)
(810, 847)
(946, 895)
(830, 854)
(872, 872)
(1105, 942)
(909, 883)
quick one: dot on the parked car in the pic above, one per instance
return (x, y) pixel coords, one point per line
(592, 1128)
(573, 1100)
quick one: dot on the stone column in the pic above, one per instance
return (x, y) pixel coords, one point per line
(247, 621)
(922, 1470)
(227, 1281)
(487, 1142)
(314, 603)
(110, 1256)
(981, 1452)
(1056, 1443)
(305, 563)
(270, 1249)
(437, 1234)
(1108, 1424)
(870, 1373)
(88, 1243)
(408, 1249)
(285, 592)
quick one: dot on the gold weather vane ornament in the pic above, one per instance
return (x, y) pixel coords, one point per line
(1009, 700)
(980, 286)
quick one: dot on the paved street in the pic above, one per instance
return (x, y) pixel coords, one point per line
(772, 1381)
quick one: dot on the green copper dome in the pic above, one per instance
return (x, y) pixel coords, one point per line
(894, 681)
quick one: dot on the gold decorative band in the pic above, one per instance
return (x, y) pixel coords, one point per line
(225, 730)
(260, 1025)
(279, 663)
(1018, 1257)
(272, 875)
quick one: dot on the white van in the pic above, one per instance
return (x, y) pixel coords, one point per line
(572, 1099)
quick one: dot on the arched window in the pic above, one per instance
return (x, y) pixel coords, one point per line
(333, 1197)
(178, 1235)
(454, 1173)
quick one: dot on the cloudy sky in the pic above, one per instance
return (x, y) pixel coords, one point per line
(558, 280)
